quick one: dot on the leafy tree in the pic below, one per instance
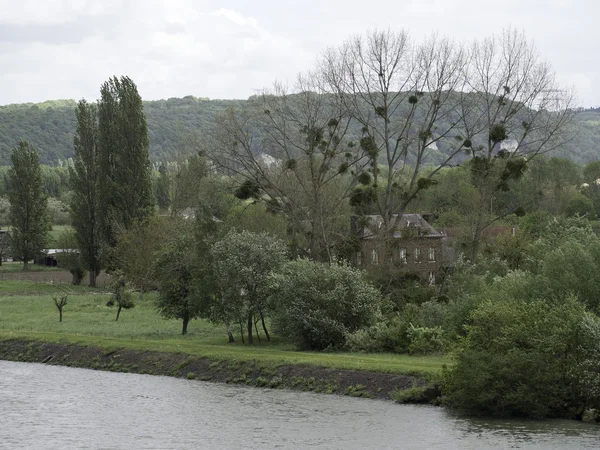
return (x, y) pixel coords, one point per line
(86, 207)
(70, 257)
(125, 172)
(135, 249)
(518, 360)
(242, 263)
(121, 296)
(28, 213)
(174, 268)
(317, 305)
(162, 189)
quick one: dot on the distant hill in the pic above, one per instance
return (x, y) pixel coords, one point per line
(50, 127)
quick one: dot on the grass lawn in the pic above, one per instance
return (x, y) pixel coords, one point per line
(27, 311)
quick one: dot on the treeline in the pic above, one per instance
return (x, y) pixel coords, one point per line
(49, 126)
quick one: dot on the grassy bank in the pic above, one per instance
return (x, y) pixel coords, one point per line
(88, 321)
(141, 341)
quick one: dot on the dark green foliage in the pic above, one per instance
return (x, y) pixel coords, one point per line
(317, 305)
(425, 183)
(291, 164)
(28, 213)
(413, 99)
(70, 258)
(86, 209)
(498, 133)
(50, 127)
(162, 188)
(124, 163)
(122, 297)
(519, 360)
(364, 178)
(362, 197)
(174, 267)
(248, 189)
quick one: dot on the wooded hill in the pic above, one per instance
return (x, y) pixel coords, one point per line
(50, 126)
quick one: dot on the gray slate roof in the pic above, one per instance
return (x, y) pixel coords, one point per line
(410, 221)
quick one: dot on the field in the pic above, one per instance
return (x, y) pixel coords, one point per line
(27, 311)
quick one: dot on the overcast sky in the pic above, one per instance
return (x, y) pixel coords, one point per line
(55, 49)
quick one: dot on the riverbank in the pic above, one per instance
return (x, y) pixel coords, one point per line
(266, 374)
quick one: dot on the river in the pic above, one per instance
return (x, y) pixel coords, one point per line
(51, 407)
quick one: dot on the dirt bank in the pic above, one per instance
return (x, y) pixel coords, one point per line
(298, 377)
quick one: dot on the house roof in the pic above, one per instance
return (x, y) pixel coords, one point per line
(410, 221)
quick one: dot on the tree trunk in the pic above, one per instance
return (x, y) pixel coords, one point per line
(250, 338)
(60, 314)
(262, 319)
(25, 265)
(230, 334)
(92, 275)
(242, 332)
(256, 329)
(186, 320)
(118, 313)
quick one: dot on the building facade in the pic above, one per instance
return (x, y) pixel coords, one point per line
(416, 246)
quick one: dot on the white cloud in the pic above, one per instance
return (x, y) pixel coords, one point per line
(67, 48)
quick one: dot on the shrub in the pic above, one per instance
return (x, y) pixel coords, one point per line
(317, 305)
(523, 359)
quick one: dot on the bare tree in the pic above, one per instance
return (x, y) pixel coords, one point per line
(291, 150)
(514, 111)
(60, 301)
(407, 101)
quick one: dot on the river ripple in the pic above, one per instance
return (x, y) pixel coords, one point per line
(50, 407)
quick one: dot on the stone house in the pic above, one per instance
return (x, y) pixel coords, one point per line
(417, 246)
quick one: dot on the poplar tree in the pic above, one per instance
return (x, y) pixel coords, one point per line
(124, 160)
(28, 204)
(85, 182)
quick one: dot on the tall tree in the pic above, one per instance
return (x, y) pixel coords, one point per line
(291, 149)
(174, 268)
(515, 112)
(28, 204)
(242, 263)
(124, 160)
(84, 175)
(406, 100)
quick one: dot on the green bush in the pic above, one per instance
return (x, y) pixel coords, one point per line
(317, 305)
(525, 359)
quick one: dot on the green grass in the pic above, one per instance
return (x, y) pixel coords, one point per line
(88, 321)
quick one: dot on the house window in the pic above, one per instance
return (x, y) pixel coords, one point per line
(431, 277)
(403, 255)
(374, 257)
(431, 254)
(417, 255)
(359, 259)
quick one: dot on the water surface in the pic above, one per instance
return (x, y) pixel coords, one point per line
(52, 407)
